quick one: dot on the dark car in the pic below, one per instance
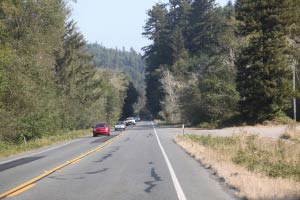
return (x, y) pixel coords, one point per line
(101, 129)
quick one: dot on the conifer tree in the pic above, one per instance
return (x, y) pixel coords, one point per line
(264, 71)
(178, 25)
(156, 54)
(202, 22)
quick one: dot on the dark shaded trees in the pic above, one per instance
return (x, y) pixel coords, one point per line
(203, 20)
(219, 56)
(200, 63)
(131, 98)
(264, 70)
(156, 54)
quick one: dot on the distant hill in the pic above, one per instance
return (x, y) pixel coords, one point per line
(130, 62)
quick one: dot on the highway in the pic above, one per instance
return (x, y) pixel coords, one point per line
(140, 163)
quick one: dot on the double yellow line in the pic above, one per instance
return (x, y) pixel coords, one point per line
(29, 184)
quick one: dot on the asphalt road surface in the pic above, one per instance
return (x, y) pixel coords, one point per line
(141, 163)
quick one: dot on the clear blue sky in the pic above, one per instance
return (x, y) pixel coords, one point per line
(114, 24)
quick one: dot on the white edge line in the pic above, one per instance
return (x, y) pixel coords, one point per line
(180, 193)
(33, 154)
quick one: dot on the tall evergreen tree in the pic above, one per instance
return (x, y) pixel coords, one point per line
(178, 25)
(202, 21)
(156, 54)
(264, 72)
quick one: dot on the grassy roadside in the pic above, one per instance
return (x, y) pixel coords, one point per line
(259, 168)
(8, 149)
(291, 133)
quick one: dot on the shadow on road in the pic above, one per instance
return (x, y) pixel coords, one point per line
(103, 139)
(19, 162)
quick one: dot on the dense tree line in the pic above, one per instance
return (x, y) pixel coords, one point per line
(209, 63)
(266, 60)
(48, 81)
(129, 62)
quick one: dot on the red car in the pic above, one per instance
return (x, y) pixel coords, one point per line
(101, 129)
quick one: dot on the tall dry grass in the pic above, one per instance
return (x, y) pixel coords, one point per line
(259, 168)
(292, 132)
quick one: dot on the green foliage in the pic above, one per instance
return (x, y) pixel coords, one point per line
(198, 38)
(204, 26)
(226, 59)
(213, 142)
(156, 54)
(219, 96)
(128, 62)
(264, 71)
(8, 148)
(48, 81)
(256, 159)
(131, 98)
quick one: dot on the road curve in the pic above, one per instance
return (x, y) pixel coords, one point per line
(143, 163)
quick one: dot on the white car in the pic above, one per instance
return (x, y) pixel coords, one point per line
(120, 126)
(130, 121)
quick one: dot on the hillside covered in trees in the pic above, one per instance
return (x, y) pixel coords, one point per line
(48, 81)
(129, 62)
(209, 64)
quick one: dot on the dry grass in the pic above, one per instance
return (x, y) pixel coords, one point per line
(8, 149)
(291, 132)
(254, 166)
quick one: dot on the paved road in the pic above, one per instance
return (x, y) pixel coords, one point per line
(144, 163)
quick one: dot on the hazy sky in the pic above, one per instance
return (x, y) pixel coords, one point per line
(114, 24)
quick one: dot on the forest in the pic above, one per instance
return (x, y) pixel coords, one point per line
(130, 62)
(206, 65)
(48, 79)
(126, 62)
(217, 65)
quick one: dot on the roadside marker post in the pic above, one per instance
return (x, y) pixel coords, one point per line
(294, 89)
(182, 129)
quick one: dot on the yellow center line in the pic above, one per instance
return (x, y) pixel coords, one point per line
(29, 184)
(22, 190)
(77, 161)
